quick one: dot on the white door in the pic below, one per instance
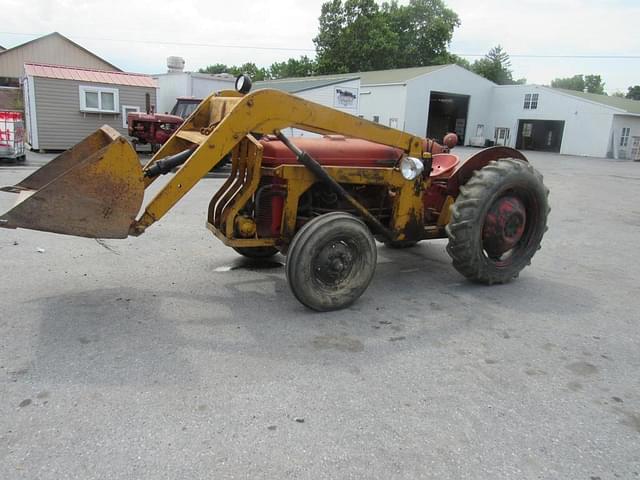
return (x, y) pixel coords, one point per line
(502, 136)
(635, 149)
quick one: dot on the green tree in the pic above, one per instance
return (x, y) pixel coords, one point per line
(215, 68)
(569, 83)
(634, 92)
(618, 94)
(302, 67)
(594, 84)
(580, 83)
(352, 37)
(453, 58)
(424, 29)
(495, 66)
(359, 35)
(250, 68)
(329, 39)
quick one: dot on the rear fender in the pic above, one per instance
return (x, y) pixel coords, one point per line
(464, 172)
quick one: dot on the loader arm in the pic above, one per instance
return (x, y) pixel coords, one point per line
(222, 120)
(96, 188)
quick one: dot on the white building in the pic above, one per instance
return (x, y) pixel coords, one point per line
(178, 83)
(432, 101)
(341, 92)
(532, 117)
(426, 101)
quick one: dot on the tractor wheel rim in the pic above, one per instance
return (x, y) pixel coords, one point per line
(504, 226)
(333, 263)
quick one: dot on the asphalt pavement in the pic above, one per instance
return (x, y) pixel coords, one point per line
(169, 356)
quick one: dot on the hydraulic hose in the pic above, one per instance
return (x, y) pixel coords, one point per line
(308, 161)
(166, 164)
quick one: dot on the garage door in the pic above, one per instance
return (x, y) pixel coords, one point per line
(543, 135)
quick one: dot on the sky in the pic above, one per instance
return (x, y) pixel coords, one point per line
(138, 36)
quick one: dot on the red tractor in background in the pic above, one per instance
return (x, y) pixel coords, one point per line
(155, 128)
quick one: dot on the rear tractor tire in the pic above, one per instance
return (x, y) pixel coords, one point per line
(498, 221)
(256, 252)
(331, 261)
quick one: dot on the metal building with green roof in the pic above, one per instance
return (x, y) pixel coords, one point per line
(434, 100)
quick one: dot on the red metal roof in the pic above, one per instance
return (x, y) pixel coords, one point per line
(87, 75)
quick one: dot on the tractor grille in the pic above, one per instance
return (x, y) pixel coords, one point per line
(238, 190)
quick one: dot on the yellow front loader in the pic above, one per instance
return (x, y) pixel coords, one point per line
(321, 201)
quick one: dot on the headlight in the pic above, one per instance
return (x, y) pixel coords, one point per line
(411, 167)
(243, 83)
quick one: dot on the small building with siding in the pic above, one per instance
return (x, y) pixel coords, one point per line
(63, 104)
(54, 49)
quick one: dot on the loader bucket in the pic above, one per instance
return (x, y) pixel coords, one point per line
(95, 189)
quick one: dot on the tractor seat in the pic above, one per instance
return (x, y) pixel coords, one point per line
(443, 164)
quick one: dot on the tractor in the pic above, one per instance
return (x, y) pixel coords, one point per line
(155, 129)
(323, 202)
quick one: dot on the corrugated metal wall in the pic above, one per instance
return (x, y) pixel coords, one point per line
(171, 86)
(61, 124)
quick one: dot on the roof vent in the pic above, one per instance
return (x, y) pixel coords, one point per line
(175, 64)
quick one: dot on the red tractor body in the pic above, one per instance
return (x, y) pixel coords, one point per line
(152, 128)
(340, 151)
(155, 128)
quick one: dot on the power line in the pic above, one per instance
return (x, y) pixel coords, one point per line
(182, 44)
(289, 49)
(527, 55)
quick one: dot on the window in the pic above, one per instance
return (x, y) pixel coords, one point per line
(480, 130)
(502, 135)
(531, 101)
(376, 118)
(393, 122)
(126, 110)
(99, 99)
(534, 101)
(184, 108)
(624, 138)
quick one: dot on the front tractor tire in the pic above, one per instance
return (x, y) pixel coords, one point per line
(497, 221)
(331, 261)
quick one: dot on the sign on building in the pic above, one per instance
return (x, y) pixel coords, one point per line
(345, 98)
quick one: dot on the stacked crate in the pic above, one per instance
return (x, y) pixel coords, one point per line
(12, 136)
